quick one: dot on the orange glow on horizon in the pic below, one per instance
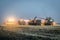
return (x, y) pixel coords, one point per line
(11, 21)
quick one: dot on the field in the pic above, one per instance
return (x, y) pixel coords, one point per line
(29, 32)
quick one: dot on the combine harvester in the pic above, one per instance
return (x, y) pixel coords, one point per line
(36, 21)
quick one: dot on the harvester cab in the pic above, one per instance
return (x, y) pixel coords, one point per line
(35, 21)
(49, 21)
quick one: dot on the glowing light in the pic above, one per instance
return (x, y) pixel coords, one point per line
(54, 23)
(11, 21)
(26, 21)
(42, 21)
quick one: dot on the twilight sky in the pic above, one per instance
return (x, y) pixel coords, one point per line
(30, 8)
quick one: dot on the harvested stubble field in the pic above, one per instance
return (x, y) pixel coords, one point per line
(23, 32)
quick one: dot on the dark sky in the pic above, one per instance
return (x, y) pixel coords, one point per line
(30, 8)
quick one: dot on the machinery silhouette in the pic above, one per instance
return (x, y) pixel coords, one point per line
(40, 21)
